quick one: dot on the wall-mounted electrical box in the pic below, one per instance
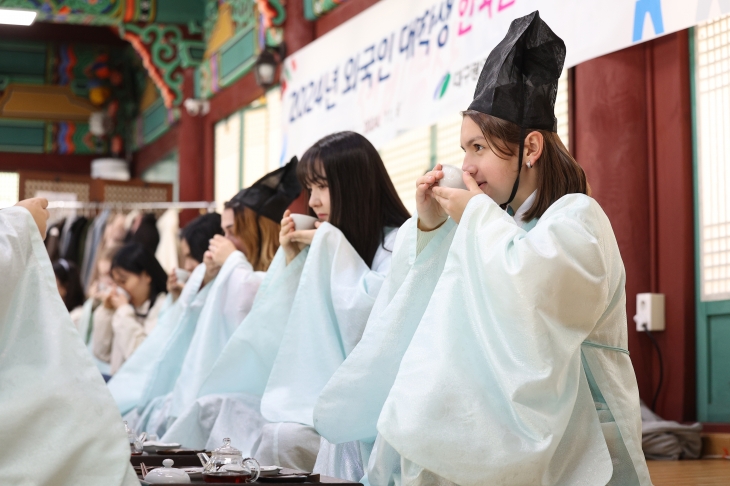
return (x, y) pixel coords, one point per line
(649, 312)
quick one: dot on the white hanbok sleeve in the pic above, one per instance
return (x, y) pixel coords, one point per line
(336, 293)
(54, 402)
(241, 289)
(245, 363)
(491, 389)
(225, 307)
(349, 406)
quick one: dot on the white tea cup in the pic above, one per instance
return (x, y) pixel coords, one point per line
(453, 177)
(123, 293)
(182, 275)
(303, 222)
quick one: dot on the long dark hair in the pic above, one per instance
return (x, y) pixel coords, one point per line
(135, 258)
(67, 274)
(363, 200)
(558, 173)
(199, 232)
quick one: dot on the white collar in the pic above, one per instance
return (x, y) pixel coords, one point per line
(524, 208)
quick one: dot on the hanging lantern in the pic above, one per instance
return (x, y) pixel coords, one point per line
(265, 69)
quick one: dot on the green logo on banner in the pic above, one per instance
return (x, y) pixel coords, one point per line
(442, 87)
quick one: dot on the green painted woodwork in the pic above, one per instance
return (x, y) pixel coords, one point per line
(80, 87)
(314, 9)
(82, 67)
(718, 357)
(180, 11)
(151, 124)
(154, 122)
(23, 60)
(98, 12)
(243, 13)
(191, 53)
(713, 318)
(22, 136)
(237, 56)
(159, 46)
(113, 12)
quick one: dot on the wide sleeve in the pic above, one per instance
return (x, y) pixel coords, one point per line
(54, 403)
(334, 298)
(245, 363)
(15, 251)
(349, 406)
(496, 363)
(241, 289)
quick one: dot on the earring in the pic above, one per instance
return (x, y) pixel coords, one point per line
(529, 164)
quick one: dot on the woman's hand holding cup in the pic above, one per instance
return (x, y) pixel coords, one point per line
(115, 299)
(430, 213)
(292, 240)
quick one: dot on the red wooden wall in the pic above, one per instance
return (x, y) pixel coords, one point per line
(633, 135)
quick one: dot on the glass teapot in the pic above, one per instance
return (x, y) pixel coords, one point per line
(135, 443)
(227, 463)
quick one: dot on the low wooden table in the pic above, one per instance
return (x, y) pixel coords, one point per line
(193, 461)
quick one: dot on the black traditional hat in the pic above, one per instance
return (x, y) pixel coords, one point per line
(273, 193)
(519, 81)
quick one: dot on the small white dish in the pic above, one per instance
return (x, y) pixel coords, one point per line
(453, 177)
(182, 275)
(154, 446)
(267, 471)
(303, 222)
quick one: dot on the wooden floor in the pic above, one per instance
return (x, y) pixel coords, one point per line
(690, 473)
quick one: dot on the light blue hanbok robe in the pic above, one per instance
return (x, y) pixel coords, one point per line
(299, 332)
(228, 401)
(164, 370)
(332, 306)
(229, 300)
(518, 371)
(128, 383)
(58, 423)
(347, 410)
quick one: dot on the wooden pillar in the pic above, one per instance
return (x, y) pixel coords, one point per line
(675, 223)
(191, 144)
(298, 31)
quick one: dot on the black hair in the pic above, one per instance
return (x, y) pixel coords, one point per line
(67, 274)
(199, 232)
(147, 233)
(135, 258)
(363, 199)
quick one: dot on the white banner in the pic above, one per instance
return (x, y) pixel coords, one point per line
(407, 63)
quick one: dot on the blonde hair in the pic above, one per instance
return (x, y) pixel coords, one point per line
(259, 235)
